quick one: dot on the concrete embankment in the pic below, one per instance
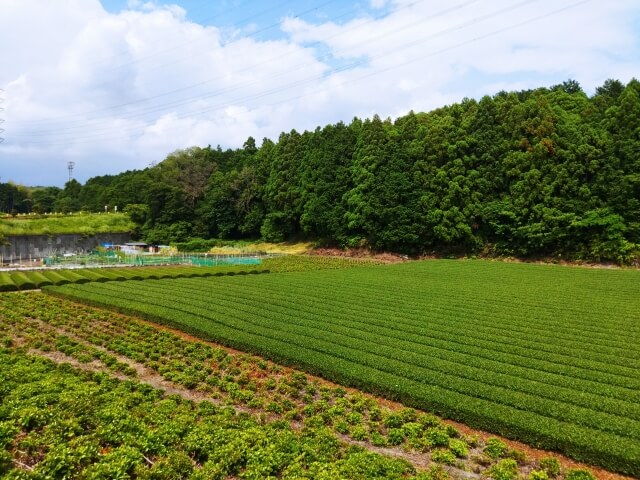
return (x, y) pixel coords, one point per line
(34, 247)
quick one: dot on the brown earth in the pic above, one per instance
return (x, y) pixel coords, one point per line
(359, 253)
(390, 257)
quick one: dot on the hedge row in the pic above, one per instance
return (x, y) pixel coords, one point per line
(33, 279)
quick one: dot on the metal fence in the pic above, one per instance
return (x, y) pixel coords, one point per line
(203, 260)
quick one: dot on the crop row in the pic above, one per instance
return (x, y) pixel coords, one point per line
(331, 323)
(422, 335)
(410, 317)
(33, 279)
(353, 367)
(61, 423)
(585, 325)
(40, 322)
(409, 348)
(389, 356)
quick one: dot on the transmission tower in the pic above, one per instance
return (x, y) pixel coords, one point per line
(1, 110)
(70, 166)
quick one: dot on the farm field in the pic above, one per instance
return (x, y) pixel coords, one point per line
(546, 355)
(87, 393)
(33, 279)
(97, 427)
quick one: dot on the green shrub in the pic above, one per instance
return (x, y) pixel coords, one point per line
(275, 408)
(395, 436)
(458, 448)
(429, 420)
(6, 462)
(393, 420)
(378, 440)
(354, 418)
(538, 475)
(579, 474)
(506, 469)
(443, 456)
(408, 415)
(22, 281)
(495, 448)
(118, 463)
(6, 284)
(359, 433)
(73, 277)
(39, 279)
(342, 427)
(176, 465)
(436, 472)
(551, 466)
(94, 276)
(437, 437)
(55, 278)
(412, 429)
(315, 422)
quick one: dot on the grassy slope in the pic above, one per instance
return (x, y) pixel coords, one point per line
(548, 355)
(87, 224)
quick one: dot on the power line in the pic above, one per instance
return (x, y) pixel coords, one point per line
(253, 34)
(355, 64)
(444, 50)
(96, 133)
(361, 77)
(183, 58)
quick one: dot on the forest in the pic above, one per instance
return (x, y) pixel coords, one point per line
(546, 172)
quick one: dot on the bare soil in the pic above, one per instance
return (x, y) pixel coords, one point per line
(385, 257)
(390, 257)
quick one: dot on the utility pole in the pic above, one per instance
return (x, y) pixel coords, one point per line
(70, 166)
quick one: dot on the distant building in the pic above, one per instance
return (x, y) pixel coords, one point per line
(134, 247)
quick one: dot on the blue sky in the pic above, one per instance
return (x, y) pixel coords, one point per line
(261, 18)
(114, 85)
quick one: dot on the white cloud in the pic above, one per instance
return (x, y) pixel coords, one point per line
(119, 91)
(378, 4)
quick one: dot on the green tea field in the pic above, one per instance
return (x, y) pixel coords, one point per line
(88, 393)
(11, 281)
(34, 279)
(543, 354)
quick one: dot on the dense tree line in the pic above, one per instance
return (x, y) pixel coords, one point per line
(541, 172)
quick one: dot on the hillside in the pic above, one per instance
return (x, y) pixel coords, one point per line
(535, 173)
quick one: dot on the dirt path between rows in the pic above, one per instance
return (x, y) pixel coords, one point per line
(148, 377)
